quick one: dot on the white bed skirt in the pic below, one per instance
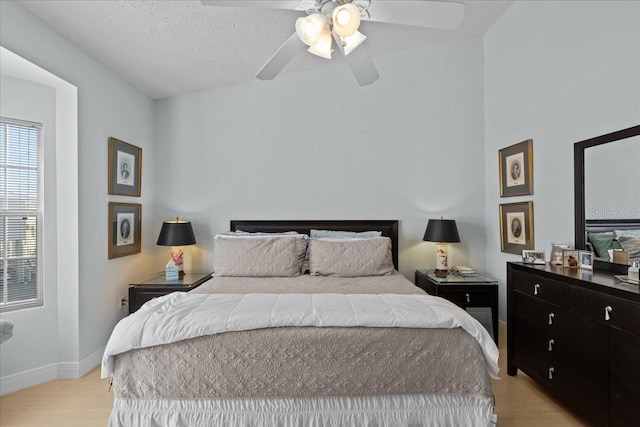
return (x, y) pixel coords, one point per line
(400, 410)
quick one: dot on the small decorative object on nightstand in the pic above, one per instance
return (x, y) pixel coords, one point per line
(175, 234)
(463, 290)
(441, 231)
(157, 286)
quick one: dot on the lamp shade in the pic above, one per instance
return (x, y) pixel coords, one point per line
(346, 19)
(441, 230)
(176, 233)
(309, 28)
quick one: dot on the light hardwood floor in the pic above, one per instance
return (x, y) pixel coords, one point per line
(86, 402)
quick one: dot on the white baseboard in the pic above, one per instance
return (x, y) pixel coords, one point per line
(75, 370)
(55, 371)
(26, 379)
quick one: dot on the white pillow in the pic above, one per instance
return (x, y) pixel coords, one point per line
(350, 257)
(256, 257)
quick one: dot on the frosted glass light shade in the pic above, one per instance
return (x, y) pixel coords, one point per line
(322, 48)
(309, 28)
(346, 19)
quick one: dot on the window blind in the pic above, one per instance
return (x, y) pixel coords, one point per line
(20, 214)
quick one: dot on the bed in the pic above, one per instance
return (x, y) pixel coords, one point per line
(317, 349)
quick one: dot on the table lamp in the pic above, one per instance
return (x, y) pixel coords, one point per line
(175, 234)
(441, 231)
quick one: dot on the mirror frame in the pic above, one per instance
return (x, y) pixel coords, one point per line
(579, 189)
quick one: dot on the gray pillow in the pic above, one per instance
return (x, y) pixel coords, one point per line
(320, 234)
(631, 245)
(256, 257)
(350, 257)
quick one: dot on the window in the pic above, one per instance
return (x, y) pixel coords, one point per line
(20, 214)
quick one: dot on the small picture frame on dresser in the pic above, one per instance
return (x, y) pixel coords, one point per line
(533, 257)
(586, 260)
(556, 252)
(570, 258)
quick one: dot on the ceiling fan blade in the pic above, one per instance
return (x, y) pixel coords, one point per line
(425, 13)
(281, 58)
(269, 4)
(362, 67)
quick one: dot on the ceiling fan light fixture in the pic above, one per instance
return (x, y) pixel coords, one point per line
(349, 44)
(322, 47)
(310, 28)
(345, 19)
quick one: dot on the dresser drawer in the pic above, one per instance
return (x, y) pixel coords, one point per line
(541, 288)
(594, 400)
(623, 413)
(625, 383)
(625, 348)
(467, 297)
(607, 309)
(579, 329)
(530, 307)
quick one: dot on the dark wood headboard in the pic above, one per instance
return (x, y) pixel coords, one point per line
(389, 228)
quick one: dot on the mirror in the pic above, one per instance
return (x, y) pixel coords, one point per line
(607, 194)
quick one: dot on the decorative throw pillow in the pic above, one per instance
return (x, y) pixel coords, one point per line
(320, 234)
(256, 257)
(601, 243)
(350, 257)
(301, 243)
(631, 245)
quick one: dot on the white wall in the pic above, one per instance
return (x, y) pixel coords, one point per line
(315, 145)
(107, 106)
(557, 72)
(35, 328)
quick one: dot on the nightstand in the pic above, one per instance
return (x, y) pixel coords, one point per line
(157, 286)
(464, 291)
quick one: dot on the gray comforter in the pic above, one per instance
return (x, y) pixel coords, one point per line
(307, 362)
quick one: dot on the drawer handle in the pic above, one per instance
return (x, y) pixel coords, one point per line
(551, 371)
(551, 316)
(468, 298)
(551, 343)
(536, 287)
(607, 310)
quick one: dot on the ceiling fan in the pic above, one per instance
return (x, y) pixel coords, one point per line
(327, 21)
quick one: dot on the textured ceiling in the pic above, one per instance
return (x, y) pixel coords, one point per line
(169, 48)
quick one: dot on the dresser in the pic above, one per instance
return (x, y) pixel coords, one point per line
(577, 333)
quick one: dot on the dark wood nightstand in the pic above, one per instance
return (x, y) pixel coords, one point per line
(464, 291)
(157, 286)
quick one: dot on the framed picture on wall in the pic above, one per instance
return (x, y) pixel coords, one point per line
(516, 227)
(125, 222)
(125, 168)
(516, 169)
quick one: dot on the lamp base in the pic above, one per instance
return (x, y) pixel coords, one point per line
(440, 273)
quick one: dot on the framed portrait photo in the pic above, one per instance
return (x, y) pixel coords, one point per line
(125, 222)
(516, 169)
(533, 257)
(125, 168)
(586, 260)
(571, 258)
(516, 227)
